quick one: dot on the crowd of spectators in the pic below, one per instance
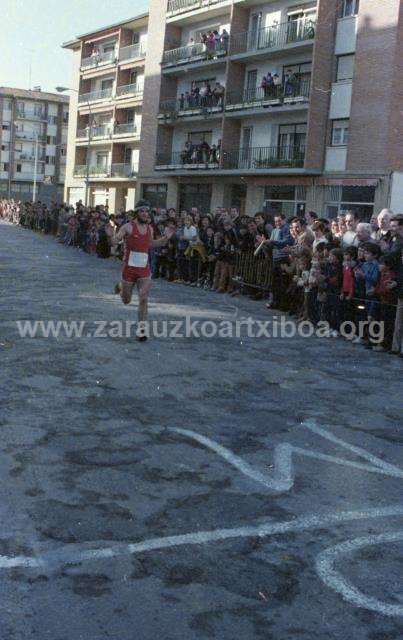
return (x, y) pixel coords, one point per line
(214, 43)
(201, 153)
(202, 97)
(338, 271)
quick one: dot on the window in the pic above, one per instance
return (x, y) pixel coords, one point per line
(50, 160)
(52, 119)
(7, 105)
(196, 137)
(195, 195)
(110, 46)
(38, 110)
(5, 126)
(289, 200)
(155, 194)
(4, 147)
(133, 77)
(66, 117)
(107, 84)
(4, 166)
(63, 151)
(18, 168)
(339, 133)
(359, 199)
(50, 139)
(349, 8)
(135, 37)
(345, 67)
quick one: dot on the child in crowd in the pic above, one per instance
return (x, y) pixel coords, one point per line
(333, 271)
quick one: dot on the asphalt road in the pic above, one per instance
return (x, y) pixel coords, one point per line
(116, 525)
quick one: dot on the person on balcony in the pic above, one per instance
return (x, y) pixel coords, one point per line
(290, 85)
(211, 44)
(225, 41)
(218, 94)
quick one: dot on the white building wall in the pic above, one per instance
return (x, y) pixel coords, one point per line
(346, 35)
(265, 130)
(340, 102)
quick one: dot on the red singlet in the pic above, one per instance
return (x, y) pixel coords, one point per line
(137, 247)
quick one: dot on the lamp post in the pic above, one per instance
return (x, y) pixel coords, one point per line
(35, 167)
(87, 165)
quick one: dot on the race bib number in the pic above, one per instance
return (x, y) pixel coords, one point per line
(137, 259)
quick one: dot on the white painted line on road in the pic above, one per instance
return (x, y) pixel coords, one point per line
(390, 469)
(334, 580)
(236, 461)
(281, 478)
(74, 553)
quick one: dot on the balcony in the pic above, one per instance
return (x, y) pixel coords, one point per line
(180, 160)
(30, 135)
(98, 59)
(276, 37)
(189, 107)
(122, 170)
(275, 96)
(102, 94)
(129, 90)
(80, 170)
(30, 115)
(177, 7)
(255, 158)
(198, 52)
(132, 52)
(25, 157)
(21, 175)
(125, 129)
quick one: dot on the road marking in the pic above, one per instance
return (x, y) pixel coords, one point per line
(281, 478)
(333, 579)
(74, 553)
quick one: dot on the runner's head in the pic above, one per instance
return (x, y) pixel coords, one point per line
(142, 212)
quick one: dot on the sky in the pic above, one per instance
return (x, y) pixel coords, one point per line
(33, 30)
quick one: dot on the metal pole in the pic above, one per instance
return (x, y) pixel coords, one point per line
(35, 168)
(87, 167)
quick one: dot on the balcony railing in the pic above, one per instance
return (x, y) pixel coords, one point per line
(102, 94)
(197, 52)
(274, 37)
(185, 160)
(22, 175)
(30, 135)
(287, 157)
(129, 89)
(131, 52)
(125, 127)
(97, 59)
(122, 170)
(116, 170)
(81, 170)
(277, 95)
(23, 157)
(30, 115)
(182, 6)
(190, 106)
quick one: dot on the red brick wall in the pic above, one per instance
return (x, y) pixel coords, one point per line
(395, 122)
(322, 76)
(375, 80)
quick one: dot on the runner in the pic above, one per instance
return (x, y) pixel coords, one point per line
(138, 239)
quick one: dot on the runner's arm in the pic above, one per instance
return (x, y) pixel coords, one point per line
(121, 234)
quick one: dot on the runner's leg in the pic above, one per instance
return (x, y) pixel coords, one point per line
(126, 291)
(143, 286)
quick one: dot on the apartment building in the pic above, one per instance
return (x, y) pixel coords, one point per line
(106, 106)
(323, 134)
(33, 133)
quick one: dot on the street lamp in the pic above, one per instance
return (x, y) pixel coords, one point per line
(87, 165)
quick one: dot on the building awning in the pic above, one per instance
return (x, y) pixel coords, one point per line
(283, 181)
(347, 182)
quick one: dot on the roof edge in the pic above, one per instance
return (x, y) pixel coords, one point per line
(70, 44)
